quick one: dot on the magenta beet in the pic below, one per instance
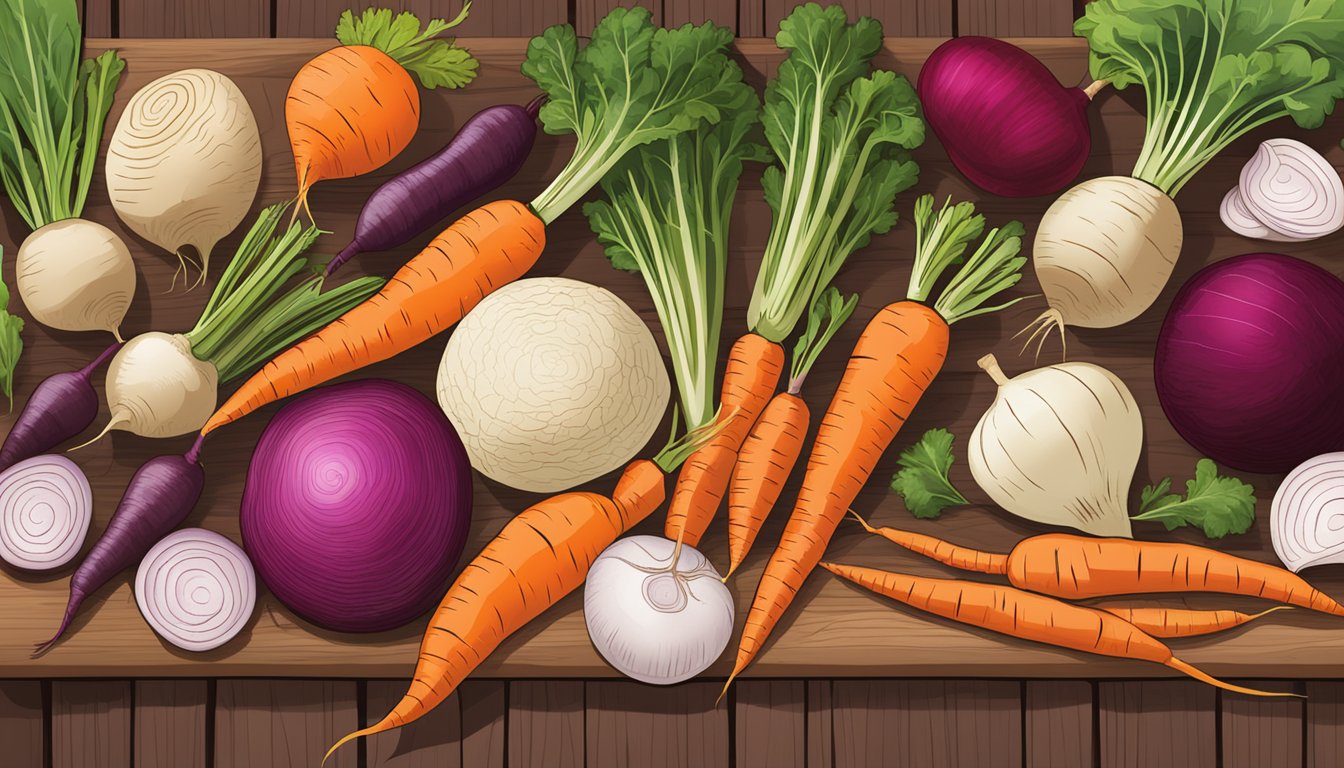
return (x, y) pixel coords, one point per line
(357, 505)
(1249, 362)
(1006, 122)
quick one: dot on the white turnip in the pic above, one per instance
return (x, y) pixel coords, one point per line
(157, 388)
(76, 275)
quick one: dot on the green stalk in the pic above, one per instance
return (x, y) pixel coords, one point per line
(941, 239)
(829, 312)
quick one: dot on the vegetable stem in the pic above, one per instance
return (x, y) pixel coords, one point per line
(1095, 87)
(990, 365)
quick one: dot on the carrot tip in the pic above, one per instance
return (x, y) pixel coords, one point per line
(1205, 677)
(862, 522)
(348, 737)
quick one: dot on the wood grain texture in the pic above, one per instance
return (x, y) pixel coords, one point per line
(771, 722)
(487, 18)
(725, 13)
(1167, 722)
(1058, 723)
(484, 718)
(23, 730)
(927, 723)
(433, 741)
(1325, 724)
(90, 724)
(630, 723)
(172, 19)
(546, 724)
(820, 725)
(588, 12)
(1014, 18)
(96, 18)
(907, 18)
(170, 723)
(284, 722)
(1261, 732)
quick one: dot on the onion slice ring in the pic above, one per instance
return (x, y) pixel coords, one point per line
(45, 508)
(1306, 518)
(1240, 220)
(196, 589)
(1291, 189)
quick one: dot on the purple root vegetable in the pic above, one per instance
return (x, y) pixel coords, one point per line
(157, 500)
(61, 407)
(487, 151)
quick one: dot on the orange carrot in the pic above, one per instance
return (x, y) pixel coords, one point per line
(351, 109)
(1184, 622)
(1028, 616)
(895, 360)
(487, 248)
(764, 463)
(754, 365)
(1077, 567)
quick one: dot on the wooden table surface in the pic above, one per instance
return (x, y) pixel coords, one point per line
(833, 629)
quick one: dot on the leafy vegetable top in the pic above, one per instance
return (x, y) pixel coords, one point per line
(923, 480)
(630, 85)
(666, 216)
(941, 239)
(1218, 505)
(842, 142)
(11, 342)
(828, 313)
(52, 109)
(437, 62)
(1212, 70)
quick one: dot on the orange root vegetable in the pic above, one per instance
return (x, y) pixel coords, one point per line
(754, 366)
(1028, 616)
(763, 465)
(489, 247)
(1184, 622)
(1077, 567)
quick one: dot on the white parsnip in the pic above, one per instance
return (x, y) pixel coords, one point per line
(1059, 446)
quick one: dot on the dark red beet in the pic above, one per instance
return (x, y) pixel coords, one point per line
(157, 500)
(62, 406)
(1006, 122)
(487, 151)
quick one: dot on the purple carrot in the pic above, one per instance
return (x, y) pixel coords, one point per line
(157, 500)
(62, 406)
(487, 151)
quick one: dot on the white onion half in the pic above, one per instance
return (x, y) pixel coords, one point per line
(1292, 190)
(45, 508)
(654, 620)
(1306, 519)
(196, 589)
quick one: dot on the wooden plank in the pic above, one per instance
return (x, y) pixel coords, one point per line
(546, 724)
(492, 18)
(1259, 731)
(484, 719)
(170, 723)
(22, 721)
(169, 18)
(1325, 724)
(630, 723)
(820, 725)
(1058, 723)
(90, 724)
(95, 16)
(433, 740)
(725, 13)
(1145, 723)
(284, 722)
(588, 12)
(770, 728)
(751, 19)
(908, 18)
(927, 723)
(1015, 18)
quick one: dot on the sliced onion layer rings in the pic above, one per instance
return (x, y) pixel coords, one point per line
(45, 508)
(1307, 515)
(196, 589)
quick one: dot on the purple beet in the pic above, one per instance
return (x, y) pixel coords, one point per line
(157, 500)
(62, 406)
(487, 151)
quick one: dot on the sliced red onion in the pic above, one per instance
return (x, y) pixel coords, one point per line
(196, 589)
(45, 508)
(1290, 188)
(1307, 516)
(1240, 220)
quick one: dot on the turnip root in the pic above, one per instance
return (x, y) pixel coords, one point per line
(184, 162)
(76, 275)
(157, 388)
(1103, 252)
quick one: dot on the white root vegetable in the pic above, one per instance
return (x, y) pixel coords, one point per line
(657, 614)
(157, 388)
(1059, 446)
(1306, 519)
(196, 589)
(1286, 192)
(184, 162)
(1103, 252)
(45, 508)
(76, 275)
(552, 382)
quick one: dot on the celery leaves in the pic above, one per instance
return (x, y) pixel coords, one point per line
(1216, 504)
(923, 480)
(437, 62)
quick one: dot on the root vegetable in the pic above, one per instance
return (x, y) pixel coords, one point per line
(62, 406)
(1059, 446)
(184, 162)
(76, 275)
(45, 508)
(196, 589)
(157, 388)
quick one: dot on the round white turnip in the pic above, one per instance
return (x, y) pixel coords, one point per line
(157, 388)
(76, 275)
